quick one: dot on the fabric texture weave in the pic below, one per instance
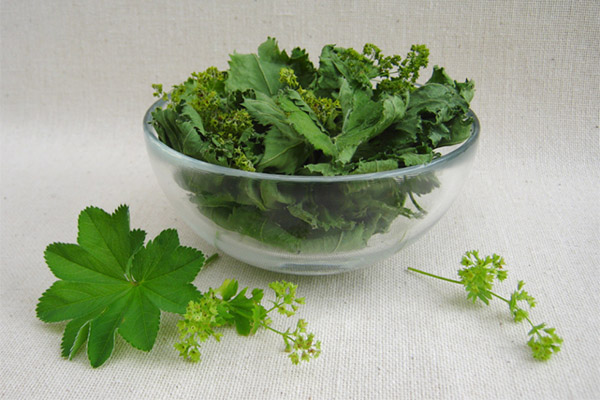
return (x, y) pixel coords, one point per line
(75, 82)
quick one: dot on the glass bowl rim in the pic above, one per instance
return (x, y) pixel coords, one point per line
(193, 163)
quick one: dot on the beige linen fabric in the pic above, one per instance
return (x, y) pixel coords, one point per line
(75, 82)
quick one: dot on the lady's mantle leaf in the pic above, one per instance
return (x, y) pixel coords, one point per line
(106, 236)
(257, 71)
(365, 118)
(76, 334)
(110, 282)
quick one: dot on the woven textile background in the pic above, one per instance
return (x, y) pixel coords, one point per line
(75, 82)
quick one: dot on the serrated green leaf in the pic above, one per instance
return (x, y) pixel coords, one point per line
(242, 325)
(364, 118)
(285, 149)
(103, 330)
(367, 167)
(102, 293)
(303, 67)
(165, 123)
(326, 169)
(272, 194)
(154, 255)
(465, 89)
(164, 259)
(67, 300)
(249, 193)
(241, 308)
(299, 117)
(137, 237)
(228, 289)
(75, 335)
(140, 321)
(283, 154)
(169, 296)
(259, 72)
(106, 236)
(190, 127)
(74, 263)
(335, 67)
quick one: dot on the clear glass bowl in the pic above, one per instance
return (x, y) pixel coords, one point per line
(309, 225)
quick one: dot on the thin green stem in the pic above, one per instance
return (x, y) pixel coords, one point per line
(453, 281)
(286, 335)
(211, 259)
(434, 276)
(508, 302)
(271, 309)
(533, 326)
(275, 306)
(272, 329)
(414, 201)
(500, 297)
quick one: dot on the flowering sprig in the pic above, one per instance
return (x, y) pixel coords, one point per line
(478, 275)
(226, 306)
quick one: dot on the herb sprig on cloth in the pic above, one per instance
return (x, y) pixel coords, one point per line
(226, 306)
(111, 282)
(478, 275)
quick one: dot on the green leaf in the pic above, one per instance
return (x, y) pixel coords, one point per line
(163, 256)
(111, 283)
(299, 117)
(169, 296)
(75, 335)
(282, 154)
(412, 157)
(242, 325)
(228, 289)
(74, 263)
(303, 67)
(140, 320)
(165, 123)
(326, 169)
(273, 195)
(337, 64)
(106, 236)
(190, 124)
(259, 72)
(181, 128)
(103, 330)
(261, 226)
(436, 102)
(67, 300)
(465, 89)
(285, 149)
(368, 167)
(364, 118)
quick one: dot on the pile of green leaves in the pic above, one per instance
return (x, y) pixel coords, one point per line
(111, 282)
(271, 112)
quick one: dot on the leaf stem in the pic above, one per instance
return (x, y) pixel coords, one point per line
(275, 306)
(455, 281)
(211, 259)
(501, 298)
(285, 334)
(435, 276)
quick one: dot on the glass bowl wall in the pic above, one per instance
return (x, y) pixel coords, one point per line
(306, 224)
